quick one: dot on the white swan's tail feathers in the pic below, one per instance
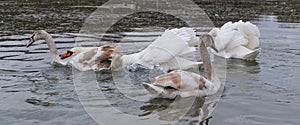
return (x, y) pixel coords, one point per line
(252, 55)
(152, 88)
(186, 34)
(240, 52)
(159, 92)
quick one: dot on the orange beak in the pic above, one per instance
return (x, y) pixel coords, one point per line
(66, 55)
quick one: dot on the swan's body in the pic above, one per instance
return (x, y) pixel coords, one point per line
(96, 58)
(237, 40)
(185, 83)
(163, 51)
(179, 63)
(85, 58)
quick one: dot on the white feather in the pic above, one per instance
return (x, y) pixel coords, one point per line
(237, 40)
(169, 45)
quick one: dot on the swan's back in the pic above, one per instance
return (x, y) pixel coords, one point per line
(251, 33)
(238, 34)
(237, 40)
(170, 44)
(229, 38)
(91, 58)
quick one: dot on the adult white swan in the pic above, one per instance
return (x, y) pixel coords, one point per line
(185, 83)
(166, 50)
(237, 40)
(85, 58)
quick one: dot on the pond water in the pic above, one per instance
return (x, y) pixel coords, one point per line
(32, 91)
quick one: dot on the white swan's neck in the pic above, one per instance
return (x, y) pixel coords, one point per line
(205, 59)
(52, 47)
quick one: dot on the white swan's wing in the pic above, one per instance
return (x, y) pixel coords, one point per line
(227, 26)
(160, 92)
(164, 48)
(180, 63)
(170, 44)
(242, 52)
(227, 39)
(187, 50)
(187, 34)
(229, 36)
(251, 32)
(236, 40)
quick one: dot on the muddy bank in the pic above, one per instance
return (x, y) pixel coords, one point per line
(68, 16)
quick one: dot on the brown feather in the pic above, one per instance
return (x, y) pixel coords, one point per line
(88, 55)
(173, 76)
(201, 83)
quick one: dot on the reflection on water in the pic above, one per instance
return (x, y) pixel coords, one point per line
(251, 67)
(265, 91)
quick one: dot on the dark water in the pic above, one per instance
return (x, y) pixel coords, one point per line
(32, 91)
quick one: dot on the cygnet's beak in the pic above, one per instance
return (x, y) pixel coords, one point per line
(31, 41)
(66, 55)
(214, 48)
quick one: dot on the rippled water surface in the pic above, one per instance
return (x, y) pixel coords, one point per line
(32, 91)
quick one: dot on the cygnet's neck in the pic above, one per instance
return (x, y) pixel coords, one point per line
(205, 59)
(52, 47)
